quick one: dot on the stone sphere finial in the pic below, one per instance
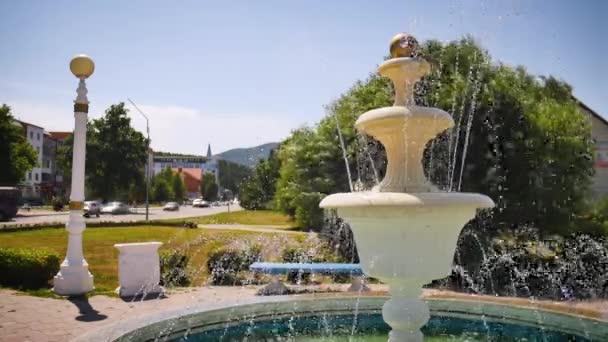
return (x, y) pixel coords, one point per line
(82, 66)
(403, 45)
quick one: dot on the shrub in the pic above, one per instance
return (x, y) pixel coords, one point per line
(314, 254)
(174, 268)
(308, 215)
(226, 264)
(524, 264)
(57, 204)
(297, 255)
(190, 224)
(28, 268)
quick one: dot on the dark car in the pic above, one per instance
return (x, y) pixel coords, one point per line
(9, 201)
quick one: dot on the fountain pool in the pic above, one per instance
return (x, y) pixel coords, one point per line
(342, 318)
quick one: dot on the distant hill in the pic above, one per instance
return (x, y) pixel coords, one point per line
(248, 156)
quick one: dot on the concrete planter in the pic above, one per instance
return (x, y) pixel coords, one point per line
(138, 269)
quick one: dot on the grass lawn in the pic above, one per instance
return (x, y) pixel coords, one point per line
(99, 251)
(250, 217)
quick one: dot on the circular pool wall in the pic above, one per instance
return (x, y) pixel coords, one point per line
(359, 319)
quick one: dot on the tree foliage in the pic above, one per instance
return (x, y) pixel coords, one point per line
(257, 191)
(16, 155)
(115, 155)
(231, 175)
(162, 185)
(178, 187)
(209, 187)
(520, 139)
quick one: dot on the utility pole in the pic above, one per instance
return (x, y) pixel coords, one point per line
(147, 158)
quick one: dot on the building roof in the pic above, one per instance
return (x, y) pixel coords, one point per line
(192, 178)
(209, 154)
(23, 123)
(59, 135)
(591, 111)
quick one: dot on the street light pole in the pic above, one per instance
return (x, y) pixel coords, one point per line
(74, 277)
(147, 157)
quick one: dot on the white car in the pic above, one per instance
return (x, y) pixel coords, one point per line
(115, 208)
(91, 208)
(201, 203)
(171, 206)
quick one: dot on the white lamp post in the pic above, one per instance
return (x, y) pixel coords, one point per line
(74, 277)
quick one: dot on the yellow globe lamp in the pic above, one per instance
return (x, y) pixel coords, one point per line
(403, 45)
(82, 66)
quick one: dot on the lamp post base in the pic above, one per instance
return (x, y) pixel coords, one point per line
(73, 280)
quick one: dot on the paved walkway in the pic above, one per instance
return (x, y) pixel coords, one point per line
(27, 318)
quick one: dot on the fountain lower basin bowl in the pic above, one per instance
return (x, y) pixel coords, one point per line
(344, 318)
(406, 237)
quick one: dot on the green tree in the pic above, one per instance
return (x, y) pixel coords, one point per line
(518, 138)
(257, 191)
(178, 187)
(162, 185)
(209, 186)
(161, 190)
(16, 155)
(115, 156)
(231, 175)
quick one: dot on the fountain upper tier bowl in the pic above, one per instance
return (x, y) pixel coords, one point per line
(409, 238)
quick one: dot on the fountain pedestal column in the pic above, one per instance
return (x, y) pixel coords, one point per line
(404, 228)
(406, 313)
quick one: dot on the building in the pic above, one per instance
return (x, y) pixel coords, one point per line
(44, 180)
(160, 162)
(53, 142)
(178, 161)
(192, 180)
(599, 133)
(33, 178)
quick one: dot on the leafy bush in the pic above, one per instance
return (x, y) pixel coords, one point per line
(190, 224)
(225, 264)
(28, 268)
(315, 254)
(299, 256)
(174, 268)
(595, 220)
(524, 264)
(308, 214)
(57, 204)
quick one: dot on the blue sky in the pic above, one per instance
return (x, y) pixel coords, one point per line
(241, 73)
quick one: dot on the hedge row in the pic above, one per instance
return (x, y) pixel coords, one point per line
(37, 226)
(27, 268)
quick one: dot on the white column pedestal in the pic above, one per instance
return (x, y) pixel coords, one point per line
(74, 278)
(138, 269)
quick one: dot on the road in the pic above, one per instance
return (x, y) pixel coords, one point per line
(47, 216)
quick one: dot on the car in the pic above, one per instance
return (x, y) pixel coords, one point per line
(115, 208)
(201, 203)
(91, 208)
(171, 206)
(9, 199)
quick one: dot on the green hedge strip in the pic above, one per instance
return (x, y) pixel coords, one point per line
(27, 268)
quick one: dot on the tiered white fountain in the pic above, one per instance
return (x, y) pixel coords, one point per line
(405, 228)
